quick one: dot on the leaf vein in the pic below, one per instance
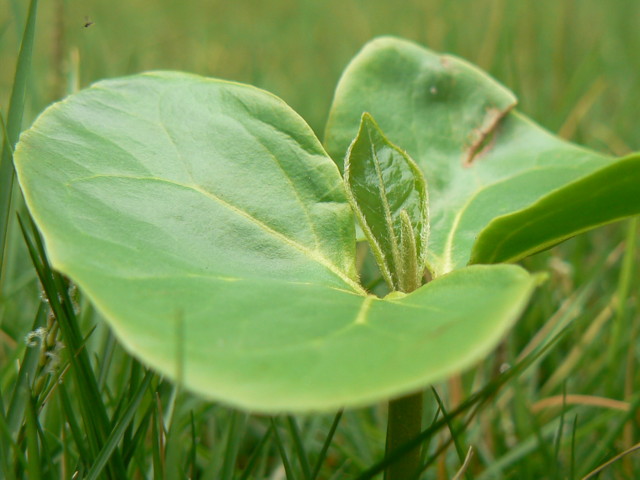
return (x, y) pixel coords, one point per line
(314, 255)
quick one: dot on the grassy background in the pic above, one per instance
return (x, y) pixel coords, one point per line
(576, 69)
(568, 61)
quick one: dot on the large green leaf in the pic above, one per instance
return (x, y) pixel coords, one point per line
(500, 187)
(211, 230)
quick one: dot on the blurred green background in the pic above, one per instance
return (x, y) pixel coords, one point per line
(574, 64)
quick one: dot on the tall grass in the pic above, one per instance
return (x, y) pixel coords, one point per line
(555, 400)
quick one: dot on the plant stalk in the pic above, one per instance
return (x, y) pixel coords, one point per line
(403, 425)
(405, 413)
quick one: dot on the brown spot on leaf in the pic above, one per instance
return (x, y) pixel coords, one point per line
(482, 139)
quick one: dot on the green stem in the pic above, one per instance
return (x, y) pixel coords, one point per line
(405, 413)
(403, 425)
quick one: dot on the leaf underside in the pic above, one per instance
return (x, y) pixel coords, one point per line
(212, 232)
(500, 187)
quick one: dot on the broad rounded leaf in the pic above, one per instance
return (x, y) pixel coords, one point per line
(491, 172)
(212, 232)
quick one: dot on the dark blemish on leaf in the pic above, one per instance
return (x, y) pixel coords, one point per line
(482, 139)
(485, 146)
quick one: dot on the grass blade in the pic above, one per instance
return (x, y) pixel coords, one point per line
(461, 455)
(499, 467)
(105, 359)
(234, 437)
(92, 407)
(283, 452)
(558, 442)
(572, 462)
(27, 372)
(76, 429)
(596, 471)
(326, 445)
(14, 124)
(465, 465)
(607, 443)
(116, 434)
(33, 457)
(174, 465)
(45, 452)
(157, 443)
(7, 441)
(299, 447)
(193, 467)
(138, 436)
(255, 455)
(622, 294)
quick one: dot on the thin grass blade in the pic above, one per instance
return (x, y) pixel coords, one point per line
(116, 434)
(138, 437)
(193, 467)
(452, 431)
(465, 465)
(325, 446)
(156, 447)
(14, 124)
(572, 461)
(286, 463)
(234, 438)
(92, 407)
(607, 443)
(299, 447)
(558, 442)
(28, 366)
(71, 418)
(33, 458)
(7, 441)
(256, 455)
(622, 293)
(609, 462)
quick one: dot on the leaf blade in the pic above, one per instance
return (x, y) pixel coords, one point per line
(481, 159)
(289, 347)
(384, 184)
(607, 195)
(168, 159)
